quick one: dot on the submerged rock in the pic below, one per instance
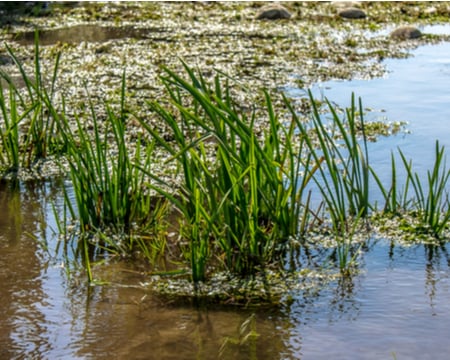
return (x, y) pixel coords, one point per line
(273, 12)
(352, 13)
(406, 33)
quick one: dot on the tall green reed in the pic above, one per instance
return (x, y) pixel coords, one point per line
(244, 201)
(431, 199)
(109, 197)
(340, 147)
(29, 130)
(109, 189)
(427, 201)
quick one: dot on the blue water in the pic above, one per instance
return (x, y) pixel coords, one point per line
(415, 90)
(399, 307)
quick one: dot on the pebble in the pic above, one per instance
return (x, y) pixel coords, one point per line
(273, 12)
(345, 4)
(352, 13)
(406, 33)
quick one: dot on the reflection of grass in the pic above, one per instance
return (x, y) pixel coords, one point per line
(247, 337)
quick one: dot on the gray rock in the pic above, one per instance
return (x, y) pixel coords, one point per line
(352, 13)
(273, 12)
(345, 4)
(406, 33)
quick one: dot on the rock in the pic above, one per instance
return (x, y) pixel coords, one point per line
(352, 13)
(406, 33)
(345, 4)
(273, 12)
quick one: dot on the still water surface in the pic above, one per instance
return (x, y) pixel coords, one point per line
(398, 307)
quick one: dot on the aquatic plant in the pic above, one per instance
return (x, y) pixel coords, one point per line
(245, 201)
(340, 147)
(427, 202)
(29, 131)
(394, 201)
(431, 199)
(108, 187)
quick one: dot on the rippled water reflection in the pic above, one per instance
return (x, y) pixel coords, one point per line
(397, 307)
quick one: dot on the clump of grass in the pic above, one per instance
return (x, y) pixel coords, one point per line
(29, 130)
(246, 200)
(340, 147)
(245, 191)
(427, 202)
(431, 199)
(112, 204)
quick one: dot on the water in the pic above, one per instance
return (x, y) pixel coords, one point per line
(86, 33)
(415, 90)
(396, 308)
(398, 304)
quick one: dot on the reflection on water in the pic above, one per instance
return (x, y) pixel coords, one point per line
(87, 33)
(24, 302)
(396, 307)
(399, 306)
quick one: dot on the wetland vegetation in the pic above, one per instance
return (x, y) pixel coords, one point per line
(184, 154)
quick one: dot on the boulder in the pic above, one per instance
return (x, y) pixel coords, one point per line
(406, 33)
(352, 13)
(273, 12)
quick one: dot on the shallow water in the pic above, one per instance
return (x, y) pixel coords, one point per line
(396, 308)
(414, 90)
(397, 305)
(85, 33)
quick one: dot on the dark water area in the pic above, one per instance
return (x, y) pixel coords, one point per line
(396, 307)
(86, 33)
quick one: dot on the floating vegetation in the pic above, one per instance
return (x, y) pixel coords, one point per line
(271, 288)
